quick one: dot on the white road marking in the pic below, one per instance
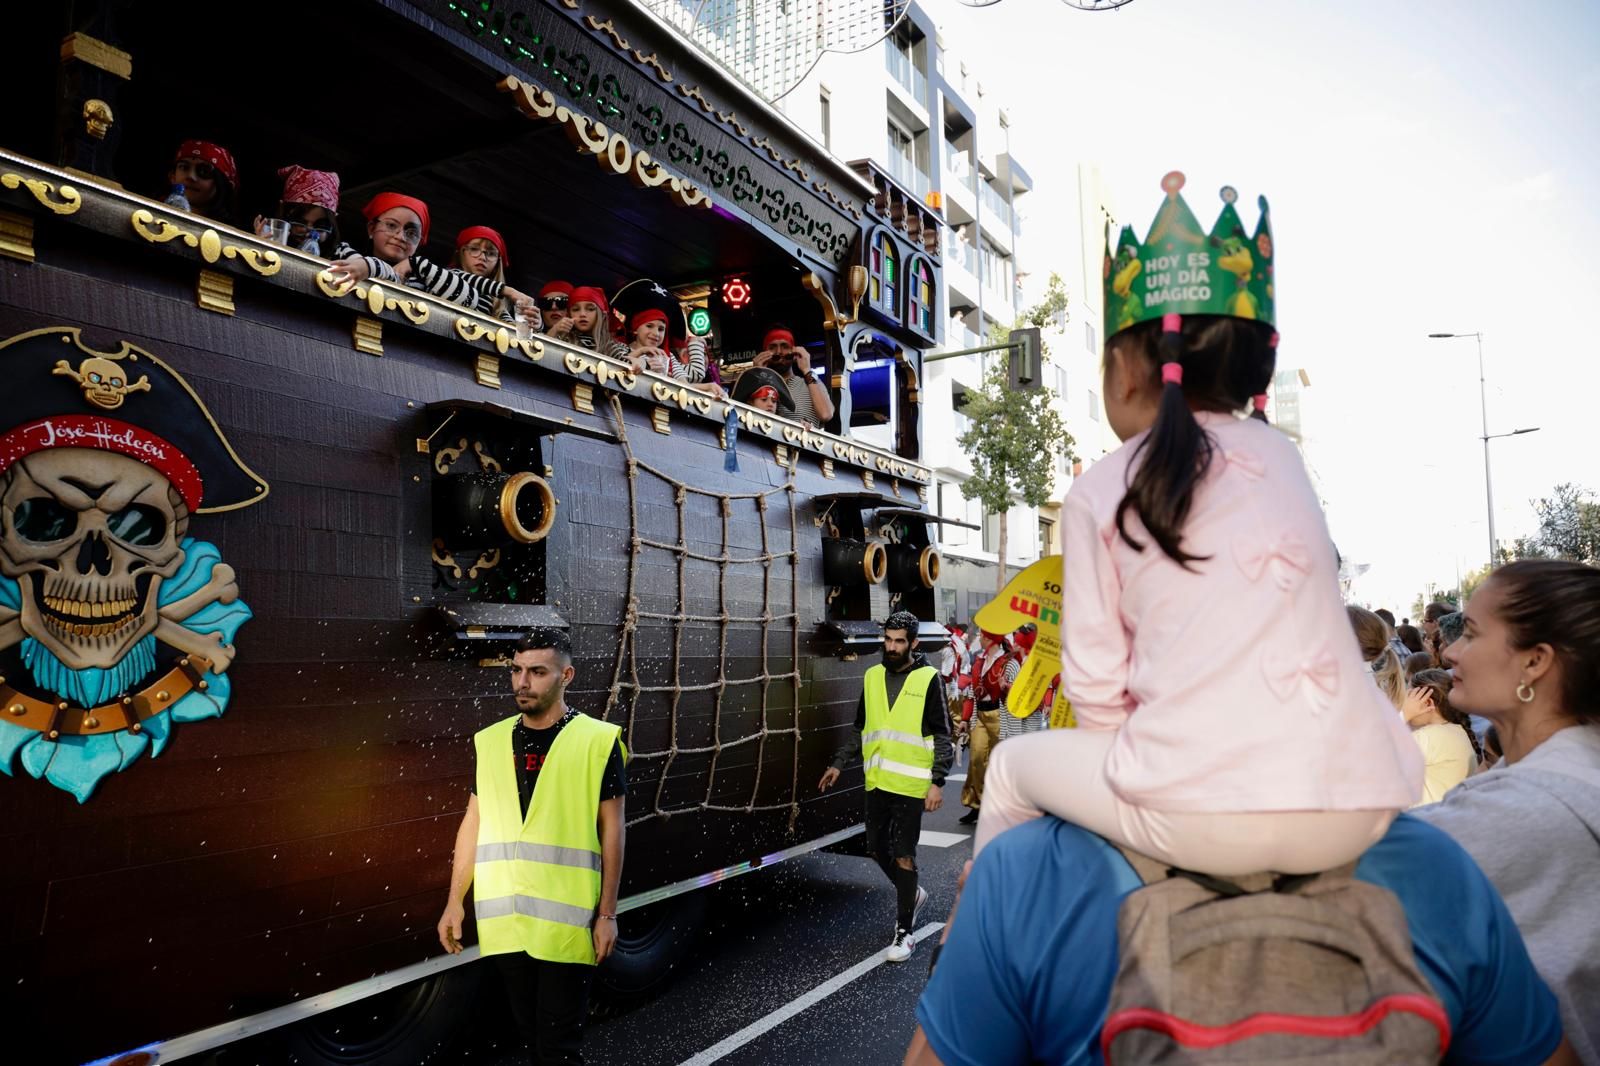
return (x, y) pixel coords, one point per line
(931, 839)
(761, 1026)
(955, 777)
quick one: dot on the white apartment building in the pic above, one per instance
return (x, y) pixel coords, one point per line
(918, 108)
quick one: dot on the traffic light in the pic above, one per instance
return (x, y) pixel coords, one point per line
(1025, 369)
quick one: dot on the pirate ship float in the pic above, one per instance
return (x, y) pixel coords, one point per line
(277, 531)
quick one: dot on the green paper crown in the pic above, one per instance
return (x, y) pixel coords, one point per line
(1181, 269)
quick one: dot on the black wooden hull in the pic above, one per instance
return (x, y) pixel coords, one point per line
(302, 841)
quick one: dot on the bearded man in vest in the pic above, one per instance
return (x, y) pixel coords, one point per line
(902, 736)
(542, 844)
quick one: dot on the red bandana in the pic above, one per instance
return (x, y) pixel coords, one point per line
(386, 201)
(319, 188)
(473, 233)
(214, 154)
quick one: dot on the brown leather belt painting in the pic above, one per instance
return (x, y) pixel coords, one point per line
(63, 719)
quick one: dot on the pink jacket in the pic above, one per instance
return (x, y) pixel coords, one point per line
(1236, 686)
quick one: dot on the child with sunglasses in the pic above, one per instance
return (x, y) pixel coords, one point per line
(204, 175)
(308, 213)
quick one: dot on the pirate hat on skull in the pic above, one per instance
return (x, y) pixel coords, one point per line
(68, 395)
(758, 377)
(647, 295)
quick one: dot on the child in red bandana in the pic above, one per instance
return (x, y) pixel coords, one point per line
(310, 204)
(209, 178)
(481, 252)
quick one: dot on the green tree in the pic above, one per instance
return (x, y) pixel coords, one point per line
(1569, 524)
(1016, 435)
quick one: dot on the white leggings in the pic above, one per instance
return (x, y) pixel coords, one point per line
(1062, 772)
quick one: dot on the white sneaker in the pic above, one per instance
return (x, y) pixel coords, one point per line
(916, 912)
(902, 947)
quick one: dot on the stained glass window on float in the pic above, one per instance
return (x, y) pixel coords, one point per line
(885, 274)
(920, 311)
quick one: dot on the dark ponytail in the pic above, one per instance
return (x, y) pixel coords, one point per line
(1220, 364)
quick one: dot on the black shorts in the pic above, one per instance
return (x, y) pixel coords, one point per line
(894, 823)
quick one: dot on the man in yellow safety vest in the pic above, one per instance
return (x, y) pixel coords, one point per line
(903, 738)
(542, 843)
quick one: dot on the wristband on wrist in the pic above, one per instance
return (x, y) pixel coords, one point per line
(613, 917)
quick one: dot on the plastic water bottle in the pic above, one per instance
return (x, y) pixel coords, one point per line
(311, 245)
(176, 198)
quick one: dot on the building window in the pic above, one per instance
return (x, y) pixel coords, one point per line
(1094, 405)
(1091, 339)
(1047, 537)
(827, 120)
(920, 296)
(885, 272)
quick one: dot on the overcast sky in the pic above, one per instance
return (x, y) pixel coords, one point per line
(1431, 167)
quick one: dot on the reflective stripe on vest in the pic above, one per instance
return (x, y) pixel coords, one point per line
(536, 881)
(896, 755)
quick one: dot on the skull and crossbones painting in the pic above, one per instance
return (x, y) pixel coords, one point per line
(114, 622)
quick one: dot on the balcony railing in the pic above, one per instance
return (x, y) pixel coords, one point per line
(996, 205)
(906, 173)
(904, 71)
(958, 165)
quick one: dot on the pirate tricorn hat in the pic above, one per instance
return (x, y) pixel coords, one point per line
(757, 376)
(68, 395)
(647, 295)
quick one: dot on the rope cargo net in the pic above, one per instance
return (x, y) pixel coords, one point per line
(627, 689)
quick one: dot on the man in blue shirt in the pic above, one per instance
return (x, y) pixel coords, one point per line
(1027, 972)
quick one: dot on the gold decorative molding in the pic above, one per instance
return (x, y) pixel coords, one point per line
(263, 261)
(487, 370)
(894, 486)
(16, 235)
(661, 419)
(780, 452)
(503, 339)
(377, 298)
(922, 493)
(214, 292)
(827, 469)
(604, 370)
(45, 192)
(97, 53)
(866, 479)
(369, 335)
(583, 398)
(752, 420)
(610, 148)
(683, 396)
(610, 30)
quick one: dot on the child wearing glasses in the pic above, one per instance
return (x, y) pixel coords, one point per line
(398, 227)
(207, 178)
(481, 252)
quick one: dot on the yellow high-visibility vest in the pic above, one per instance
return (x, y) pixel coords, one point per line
(536, 881)
(895, 754)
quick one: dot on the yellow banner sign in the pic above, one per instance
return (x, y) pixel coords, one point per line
(1032, 596)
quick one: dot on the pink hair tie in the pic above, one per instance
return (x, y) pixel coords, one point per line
(1172, 322)
(1273, 343)
(1172, 373)
(1260, 401)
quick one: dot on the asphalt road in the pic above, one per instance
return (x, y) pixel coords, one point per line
(784, 972)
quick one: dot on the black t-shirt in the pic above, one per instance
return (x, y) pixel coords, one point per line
(530, 748)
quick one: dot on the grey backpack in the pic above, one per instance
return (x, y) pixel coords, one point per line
(1314, 969)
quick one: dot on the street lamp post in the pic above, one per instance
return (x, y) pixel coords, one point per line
(1486, 436)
